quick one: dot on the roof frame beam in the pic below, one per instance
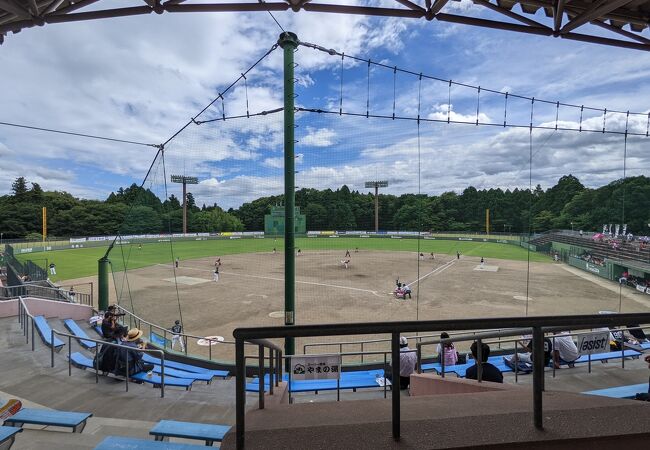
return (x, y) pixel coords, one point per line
(508, 13)
(558, 14)
(15, 9)
(620, 31)
(543, 31)
(597, 10)
(52, 7)
(605, 41)
(437, 6)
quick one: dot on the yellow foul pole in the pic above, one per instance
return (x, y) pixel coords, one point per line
(487, 221)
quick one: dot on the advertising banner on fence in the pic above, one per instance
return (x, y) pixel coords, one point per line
(594, 343)
(316, 367)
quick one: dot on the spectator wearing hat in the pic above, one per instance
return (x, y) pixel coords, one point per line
(407, 362)
(134, 357)
(176, 330)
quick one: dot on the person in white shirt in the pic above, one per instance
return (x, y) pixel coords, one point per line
(407, 361)
(564, 349)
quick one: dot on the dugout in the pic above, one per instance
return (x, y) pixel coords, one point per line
(274, 222)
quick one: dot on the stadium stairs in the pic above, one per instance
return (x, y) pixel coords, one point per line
(27, 376)
(489, 419)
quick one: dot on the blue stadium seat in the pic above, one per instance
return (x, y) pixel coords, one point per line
(8, 436)
(46, 333)
(349, 380)
(608, 355)
(620, 391)
(124, 443)
(189, 430)
(83, 362)
(186, 367)
(72, 326)
(74, 420)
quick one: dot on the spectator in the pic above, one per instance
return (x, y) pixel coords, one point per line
(134, 358)
(527, 355)
(564, 349)
(488, 372)
(618, 340)
(639, 335)
(447, 351)
(72, 294)
(407, 361)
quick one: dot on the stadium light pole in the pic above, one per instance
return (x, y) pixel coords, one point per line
(185, 181)
(289, 43)
(376, 185)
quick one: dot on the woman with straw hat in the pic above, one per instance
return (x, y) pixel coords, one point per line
(134, 357)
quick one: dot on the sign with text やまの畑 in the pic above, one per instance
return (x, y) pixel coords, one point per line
(316, 367)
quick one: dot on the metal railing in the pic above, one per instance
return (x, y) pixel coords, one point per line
(485, 338)
(126, 349)
(395, 329)
(49, 293)
(134, 320)
(365, 342)
(26, 320)
(275, 367)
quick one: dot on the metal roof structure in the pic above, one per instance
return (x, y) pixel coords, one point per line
(623, 21)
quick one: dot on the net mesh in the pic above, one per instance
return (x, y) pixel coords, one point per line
(460, 222)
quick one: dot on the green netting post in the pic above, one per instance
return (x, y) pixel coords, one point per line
(102, 283)
(289, 43)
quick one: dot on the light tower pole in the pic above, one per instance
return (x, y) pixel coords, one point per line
(185, 181)
(376, 185)
(289, 42)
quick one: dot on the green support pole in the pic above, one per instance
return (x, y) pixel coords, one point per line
(102, 283)
(289, 43)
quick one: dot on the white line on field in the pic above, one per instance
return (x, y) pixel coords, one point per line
(282, 279)
(437, 270)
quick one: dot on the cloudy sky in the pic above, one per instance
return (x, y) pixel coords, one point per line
(142, 78)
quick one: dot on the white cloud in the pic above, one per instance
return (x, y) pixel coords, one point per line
(323, 137)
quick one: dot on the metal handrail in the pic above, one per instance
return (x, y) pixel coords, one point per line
(275, 366)
(340, 344)
(24, 318)
(58, 294)
(110, 344)
(537, 323)
(481, 339)
(165, 331)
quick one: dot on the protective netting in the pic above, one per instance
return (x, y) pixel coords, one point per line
(465, 211)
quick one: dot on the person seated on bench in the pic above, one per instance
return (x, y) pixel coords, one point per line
(564, 350)
(489, 372)
(407, 361)
(638, 333)
(106, 358)
(618, 340)
(447, 351)
(134, 357)
(527, 356)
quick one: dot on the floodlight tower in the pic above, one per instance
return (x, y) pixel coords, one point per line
(376, 185)
(185, 180)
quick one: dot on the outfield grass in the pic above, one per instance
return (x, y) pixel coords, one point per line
(77, 263)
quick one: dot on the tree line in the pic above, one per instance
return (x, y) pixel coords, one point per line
(134, 210)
